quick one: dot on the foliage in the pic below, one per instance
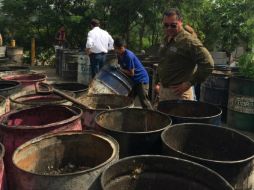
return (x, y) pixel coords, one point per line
(220, 24)
(246, 65)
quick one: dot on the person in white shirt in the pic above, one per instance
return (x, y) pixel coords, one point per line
(97, 45)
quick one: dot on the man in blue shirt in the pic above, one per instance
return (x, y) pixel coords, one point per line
(132, 67)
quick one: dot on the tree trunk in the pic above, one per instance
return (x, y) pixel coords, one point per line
(141, 34)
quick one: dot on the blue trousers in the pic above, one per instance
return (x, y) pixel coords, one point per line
(97, 61)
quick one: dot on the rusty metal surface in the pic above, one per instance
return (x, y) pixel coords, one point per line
(26, 80)
(27, 99)
(160, 172)
(34, 160)
(137, 130)
(101, 102)
(224, 150)
(17, 127)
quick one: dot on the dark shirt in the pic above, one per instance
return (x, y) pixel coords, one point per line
(184, 59)
(129, 61)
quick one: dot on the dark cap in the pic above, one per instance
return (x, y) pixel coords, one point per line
(95, 22)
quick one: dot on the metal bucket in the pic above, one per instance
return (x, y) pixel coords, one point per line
(101, 102)
(113, 80)
(160, 172)
(2, 169)
(9, 87)
(66, 161)
(241, 104)
(18, 127)
(77, 88)
(27, 99)
(221, 149)
(27, 81)
(136, 130)
(184, 111)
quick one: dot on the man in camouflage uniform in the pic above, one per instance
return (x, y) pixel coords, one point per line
(185, 61)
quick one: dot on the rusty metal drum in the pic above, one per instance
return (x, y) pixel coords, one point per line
(137, 130)
(17, 127)
(27, 99)
(161, 172)
(97, 103)
(27, 81)
(223, 150)
(66, 161)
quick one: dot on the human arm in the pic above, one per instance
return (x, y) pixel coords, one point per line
(128, 69)
(110, 42)
(181, 88)
(89, 43)
(203, 60)
(1, 40)
(129, 72)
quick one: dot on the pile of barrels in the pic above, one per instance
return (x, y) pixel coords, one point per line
(106, 144)
(47, 142)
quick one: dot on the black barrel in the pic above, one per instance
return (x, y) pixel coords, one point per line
(150, 72)
(222, 149)
(77, 88)
(8, 88)
(115, 80)
(136, 130)
(58, 60)
(160, 172)
(64, 161)
(70, 64)
(184, 111)
(215, 89)
(241, 104)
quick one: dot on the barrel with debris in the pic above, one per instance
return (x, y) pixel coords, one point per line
(17, 127)
(224, 150)
(98, 103)
(137, 130)
(64, 161)
(27, 80)
(161, 172)
(27, 99)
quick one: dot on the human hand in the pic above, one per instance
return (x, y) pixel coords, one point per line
(157, 88)
(180, 88)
